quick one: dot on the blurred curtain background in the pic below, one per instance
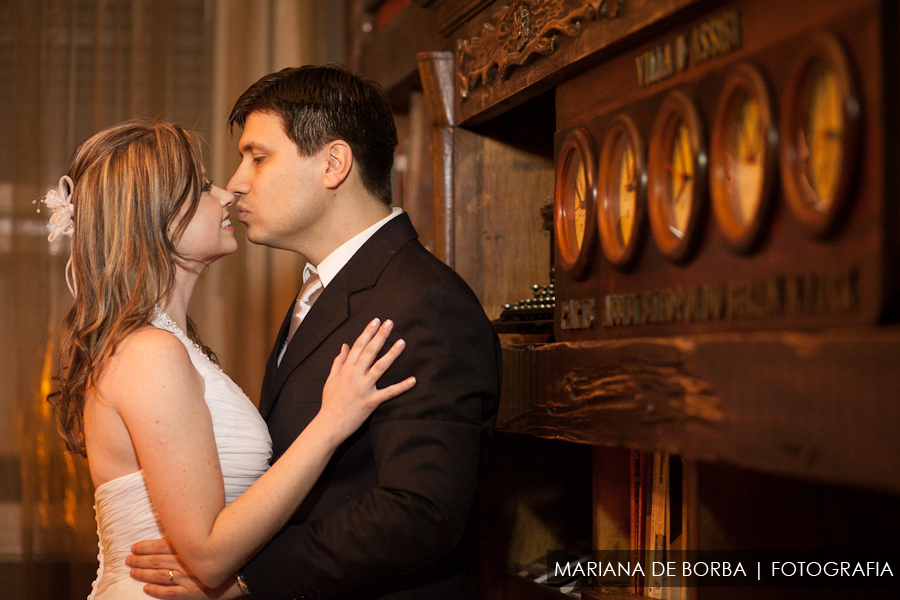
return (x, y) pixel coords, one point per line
(67, 69)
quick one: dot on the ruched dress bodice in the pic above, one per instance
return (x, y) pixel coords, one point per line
(125, 512)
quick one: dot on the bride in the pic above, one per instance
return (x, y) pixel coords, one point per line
(174, 447)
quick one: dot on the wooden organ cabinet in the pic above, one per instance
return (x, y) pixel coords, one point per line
(713, 190)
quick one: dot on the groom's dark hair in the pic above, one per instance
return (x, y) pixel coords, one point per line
(320, 104)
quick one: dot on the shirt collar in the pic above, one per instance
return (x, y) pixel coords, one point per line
(334, 262)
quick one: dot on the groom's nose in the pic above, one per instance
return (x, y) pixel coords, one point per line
(238, 183)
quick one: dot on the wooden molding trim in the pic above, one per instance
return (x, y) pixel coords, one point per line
(521, 32)
(436, 75)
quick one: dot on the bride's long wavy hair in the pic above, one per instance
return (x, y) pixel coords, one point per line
(136, 187)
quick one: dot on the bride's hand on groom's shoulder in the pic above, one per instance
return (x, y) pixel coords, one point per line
(350, 394)
(156, 564)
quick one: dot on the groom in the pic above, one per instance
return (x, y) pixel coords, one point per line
(392, 515)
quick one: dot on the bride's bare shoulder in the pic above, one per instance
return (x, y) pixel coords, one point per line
(146, 359)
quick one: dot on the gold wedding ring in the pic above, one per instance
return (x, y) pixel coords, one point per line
(171, 575)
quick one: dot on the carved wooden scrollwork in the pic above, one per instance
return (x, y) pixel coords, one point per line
(521, 32)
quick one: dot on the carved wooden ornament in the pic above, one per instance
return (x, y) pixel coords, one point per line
(522, 31)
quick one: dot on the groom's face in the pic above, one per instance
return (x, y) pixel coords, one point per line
(282, 196)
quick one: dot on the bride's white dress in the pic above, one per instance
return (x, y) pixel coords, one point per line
(125, 513)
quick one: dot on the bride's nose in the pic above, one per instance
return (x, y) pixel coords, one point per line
(224, 197)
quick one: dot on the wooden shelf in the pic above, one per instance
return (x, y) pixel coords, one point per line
(820, 406)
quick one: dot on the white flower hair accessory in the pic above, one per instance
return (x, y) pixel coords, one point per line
(63, 220)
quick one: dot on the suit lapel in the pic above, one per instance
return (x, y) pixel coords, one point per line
(332, 308)
(266, 397)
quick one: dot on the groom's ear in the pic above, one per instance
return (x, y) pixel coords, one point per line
(339, 159)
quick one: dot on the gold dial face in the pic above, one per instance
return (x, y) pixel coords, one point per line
(622, 173)
(625, 200)
(577, 187)
(819, 139)
(744, 168)
(681, 181)
(677, 173)
(819, 134)
(576, 196)
(742, 158)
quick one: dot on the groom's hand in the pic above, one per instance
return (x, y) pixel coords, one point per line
(156, 564)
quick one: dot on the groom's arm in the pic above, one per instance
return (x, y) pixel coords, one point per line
(428, 445)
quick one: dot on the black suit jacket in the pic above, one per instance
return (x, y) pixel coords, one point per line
(391, 517)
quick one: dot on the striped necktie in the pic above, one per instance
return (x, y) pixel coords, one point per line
(310, 291)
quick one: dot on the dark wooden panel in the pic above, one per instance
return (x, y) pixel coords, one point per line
(821, 407)
(500, 245)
